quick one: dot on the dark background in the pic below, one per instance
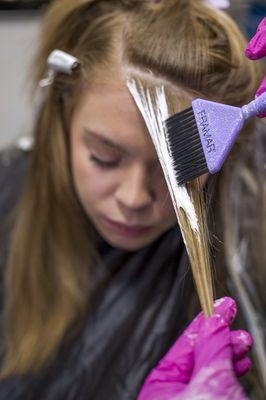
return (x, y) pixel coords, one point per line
(22, 4)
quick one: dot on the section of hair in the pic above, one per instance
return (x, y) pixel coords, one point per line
(153, 103)
(48, 279)
(196, 50)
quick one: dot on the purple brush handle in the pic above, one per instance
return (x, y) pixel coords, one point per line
(219, 124)
(257, 106)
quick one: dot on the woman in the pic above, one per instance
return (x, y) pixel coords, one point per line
(97, 279)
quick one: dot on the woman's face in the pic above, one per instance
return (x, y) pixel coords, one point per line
(116, 172)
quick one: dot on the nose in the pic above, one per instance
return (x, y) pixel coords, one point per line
(134, 192)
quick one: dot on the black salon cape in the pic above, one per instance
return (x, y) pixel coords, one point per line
(138, 316)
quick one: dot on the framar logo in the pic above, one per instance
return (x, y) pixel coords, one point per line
(205, 130)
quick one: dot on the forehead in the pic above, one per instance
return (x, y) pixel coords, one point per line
(111, 111)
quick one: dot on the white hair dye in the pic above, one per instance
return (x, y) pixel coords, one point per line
(154, 117)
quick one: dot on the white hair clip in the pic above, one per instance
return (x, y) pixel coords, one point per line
(221, 4)
(59, 61)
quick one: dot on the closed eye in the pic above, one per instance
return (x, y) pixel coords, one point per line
(104, 164)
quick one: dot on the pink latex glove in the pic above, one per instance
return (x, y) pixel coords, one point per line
(257, 45)
(257, 49)
(204, 362)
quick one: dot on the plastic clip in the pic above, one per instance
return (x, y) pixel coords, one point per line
(59, 61)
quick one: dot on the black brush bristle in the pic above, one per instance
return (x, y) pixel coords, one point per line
(185, 146)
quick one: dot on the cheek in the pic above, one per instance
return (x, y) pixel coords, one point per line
(90, 184)
(86, 179)
(165, 208)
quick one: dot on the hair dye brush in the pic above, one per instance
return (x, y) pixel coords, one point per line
(201, 137)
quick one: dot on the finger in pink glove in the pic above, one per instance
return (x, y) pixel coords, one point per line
(241, 342)
(257, 49)
(213, 376)
(175, 374)
(261, 89)
(257, 45)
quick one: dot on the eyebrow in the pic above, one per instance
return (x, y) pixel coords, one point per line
(104, 140)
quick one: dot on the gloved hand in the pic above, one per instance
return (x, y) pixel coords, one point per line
(257, 49)
(204, 362)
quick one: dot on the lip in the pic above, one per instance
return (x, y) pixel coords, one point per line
(127, 230)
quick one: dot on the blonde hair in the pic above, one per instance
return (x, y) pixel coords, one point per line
(48, 273)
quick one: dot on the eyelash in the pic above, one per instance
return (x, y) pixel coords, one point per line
(104, 164)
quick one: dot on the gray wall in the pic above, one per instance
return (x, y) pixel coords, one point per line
(18, 38)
